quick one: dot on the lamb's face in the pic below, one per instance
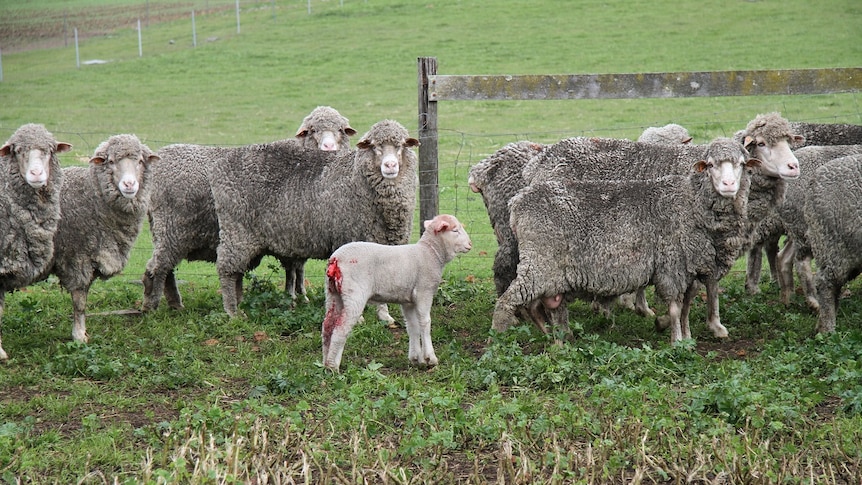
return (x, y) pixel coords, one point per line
(777, 158)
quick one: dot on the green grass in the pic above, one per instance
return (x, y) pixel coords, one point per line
(195, 396)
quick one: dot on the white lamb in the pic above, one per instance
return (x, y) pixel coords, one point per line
(362, 272)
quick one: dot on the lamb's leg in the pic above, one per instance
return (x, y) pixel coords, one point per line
(559, 320)
(79, 308)
(339, 321)
(383, 314)
(418, 323)
(806, 277)
(172, 292)
(828, 293)
(3, 355)
(752, 271)
(784, 261)
(713, 319)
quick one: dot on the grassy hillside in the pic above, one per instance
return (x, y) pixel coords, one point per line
(194, 396)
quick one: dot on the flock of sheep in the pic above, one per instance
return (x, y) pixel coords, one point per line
(593, 218)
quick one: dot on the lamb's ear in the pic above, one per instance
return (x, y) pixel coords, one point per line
(700, 166)
(426, 224)
(411, 142)
(349, 131)
(364, 143)
(63, 147)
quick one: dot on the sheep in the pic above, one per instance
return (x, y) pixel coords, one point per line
(326, 129)
(182, 213)
(614, 159)
(599, 239)
(669, 134)
(31, 180)
(789, 219)
(828, 133)
(290, 202)
(834, 215)
(103, 208)
(409, 274)
(767, 135)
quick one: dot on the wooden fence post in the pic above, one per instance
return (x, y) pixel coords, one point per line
(428, 204)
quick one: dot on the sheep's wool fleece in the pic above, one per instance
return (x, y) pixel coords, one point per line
(28, 218)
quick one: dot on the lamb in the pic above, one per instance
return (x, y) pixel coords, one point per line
(834, 215)
(182, 213)
(31, 179)
(103, 208)
(598, 239)
(669, 134)
(828, 133)
(789, 219)
(304, 204)
(408, 274)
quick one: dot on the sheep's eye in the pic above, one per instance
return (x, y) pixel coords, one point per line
(761, 144)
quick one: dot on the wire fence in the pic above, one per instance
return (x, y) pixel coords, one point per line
(459, 150)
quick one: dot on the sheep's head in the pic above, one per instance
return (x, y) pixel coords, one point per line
(388, 140)
(724, 164)
(325, 129)
(770, 139)
(32, 148)
(126, 160)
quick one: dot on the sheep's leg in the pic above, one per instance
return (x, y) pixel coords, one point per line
(299, 280)
(79, 308)
(228, 291)
(154, 287)
(516, 296)
(770, 247)
(641, 305)
(418, 323)
(784, 261)
(753, 268)
(3, 355)
(674, 310)
(828, 293)
(172, 292)
(713, 319)
(806, 277)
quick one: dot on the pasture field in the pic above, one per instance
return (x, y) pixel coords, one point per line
(193, 396)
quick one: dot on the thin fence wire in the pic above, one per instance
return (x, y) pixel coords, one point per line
(458, 151)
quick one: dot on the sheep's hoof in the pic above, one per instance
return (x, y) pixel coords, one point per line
(661, 323)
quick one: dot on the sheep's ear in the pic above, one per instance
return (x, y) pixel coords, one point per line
(5, 150)
(302, 133)
(97, 160)
(752, 163)
(700, 166)
(63, 147)
(411, 142)
(349, 131)
(747, 141)
(686, 141)
(797, 141)
(364, 143)
(153, 158)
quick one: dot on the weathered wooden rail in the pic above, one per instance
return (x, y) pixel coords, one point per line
(434, 88)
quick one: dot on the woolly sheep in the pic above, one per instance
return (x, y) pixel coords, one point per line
(599, 239)
(31, 180)
(615, 159)
(828, 133)
(834, 215)
(409, 274)
(669, 134)
(182, 213)
(103, 208)
(304, 204)
(789, 219)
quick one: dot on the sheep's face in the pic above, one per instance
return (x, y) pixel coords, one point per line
(327, 140)
(126, 171)
(724, 174)
(388, 156)
(777, 158)
(34, 164)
